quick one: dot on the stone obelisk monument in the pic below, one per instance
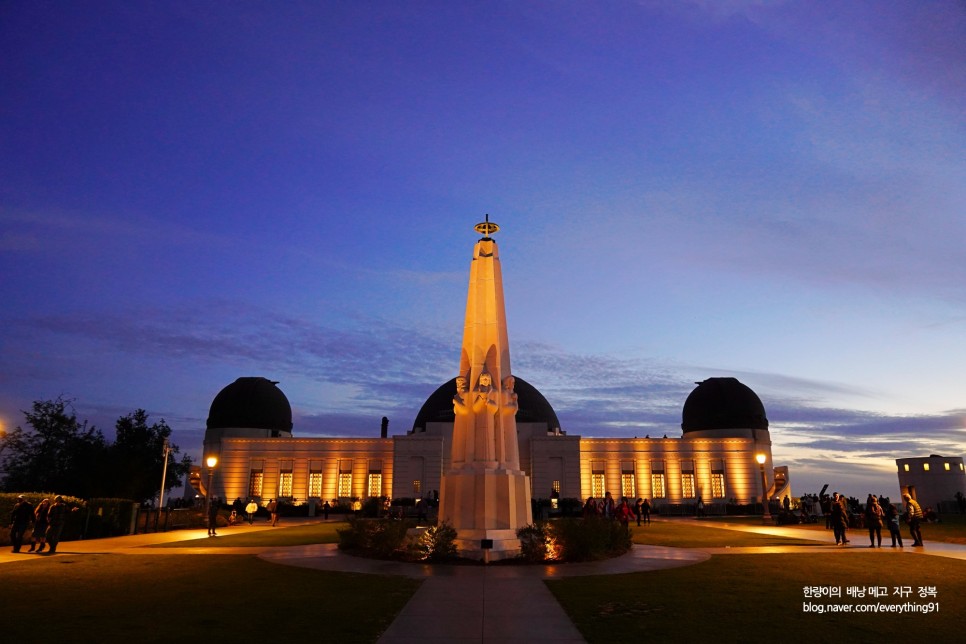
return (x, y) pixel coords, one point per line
(485, 495)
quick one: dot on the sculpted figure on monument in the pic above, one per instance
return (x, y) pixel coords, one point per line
(484, 392)
(459, 403)
(510, 398)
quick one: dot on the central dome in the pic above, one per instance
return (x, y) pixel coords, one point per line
(533, 407)
(723, 403)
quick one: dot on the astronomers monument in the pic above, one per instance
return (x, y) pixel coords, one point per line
(485, 495)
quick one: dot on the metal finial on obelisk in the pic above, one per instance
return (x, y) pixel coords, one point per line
(486, 228)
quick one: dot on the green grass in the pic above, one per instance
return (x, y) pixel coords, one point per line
(689, 534)
(152, 598)
(302, 535)
(756, 598)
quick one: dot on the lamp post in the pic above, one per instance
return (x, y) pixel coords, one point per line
(211, 461)
(760, 457)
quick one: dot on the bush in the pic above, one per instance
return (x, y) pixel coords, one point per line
(536, 543)
(587, 539)
(374, 538)
(389, 539)
(438, 543)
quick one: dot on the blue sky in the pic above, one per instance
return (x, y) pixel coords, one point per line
(192, 192)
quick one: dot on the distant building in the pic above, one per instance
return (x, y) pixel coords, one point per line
(933, 481)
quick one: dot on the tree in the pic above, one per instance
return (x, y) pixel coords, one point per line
(137, 458)
(58, 453)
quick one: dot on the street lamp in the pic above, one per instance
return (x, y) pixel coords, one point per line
(760, 457)
(211, 461)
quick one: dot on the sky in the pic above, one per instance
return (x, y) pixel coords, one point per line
(191, 192)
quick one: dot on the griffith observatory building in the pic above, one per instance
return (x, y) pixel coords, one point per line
(724, 428)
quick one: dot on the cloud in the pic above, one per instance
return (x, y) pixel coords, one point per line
(377, 367)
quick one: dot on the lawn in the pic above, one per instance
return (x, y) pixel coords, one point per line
(239, 537)
(697, 534)
(952, 528)
(756, 598)
(149, 598)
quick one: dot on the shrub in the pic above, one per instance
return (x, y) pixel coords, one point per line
(536, 543)
(438, 543)
(573, 540)
(375, 538)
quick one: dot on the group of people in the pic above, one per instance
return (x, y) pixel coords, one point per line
(48, 522)
(878, 512)
(607, 508)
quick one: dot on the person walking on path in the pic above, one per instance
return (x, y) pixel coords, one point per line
(892, 520)
(213, 517)
(273, 510)
(914, 512)
(250, 510)
(40, 526)
(56, 518)
(873, 521)
(20, 517)
(639, 510)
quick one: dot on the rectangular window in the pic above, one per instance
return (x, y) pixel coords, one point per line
(345, 484)
(628, 486)
(555, 486)
(687, 486)
(947, 466)
(255, 483)
(597, 479)
(717, 485)
(285, 484)
(925, 467)
(597, 485)
(315, 484)
(417, 488)
(657, 486)
(375, 484)
(905, 466)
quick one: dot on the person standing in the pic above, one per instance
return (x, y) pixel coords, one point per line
(56, 518)
(892, 520)
(840, 519)
(639, 510)
(646, 511)
(914, 512)
(213, 517)
(20, 517)
(40, 526)
(873, 521)
(325, 510)
(250, 510)
(273, 510)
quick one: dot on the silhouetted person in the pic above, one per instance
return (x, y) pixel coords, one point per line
(56, 518)
(20, 517)
(40, 526)
(914, 513)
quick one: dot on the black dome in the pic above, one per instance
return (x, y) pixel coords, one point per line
(251, 402)
(723, 403)
(533, 407)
